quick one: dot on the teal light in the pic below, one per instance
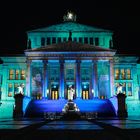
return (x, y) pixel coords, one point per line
(85, 86)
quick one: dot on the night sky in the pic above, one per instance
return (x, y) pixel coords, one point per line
(18, 17)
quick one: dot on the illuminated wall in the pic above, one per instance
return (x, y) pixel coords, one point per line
(13, 71)
(103, 79)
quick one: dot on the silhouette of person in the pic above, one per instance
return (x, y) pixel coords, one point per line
(21, 89)
(119, 88)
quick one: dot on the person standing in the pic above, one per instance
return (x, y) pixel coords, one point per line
(119, 88)
(21, 89)
(70, 93)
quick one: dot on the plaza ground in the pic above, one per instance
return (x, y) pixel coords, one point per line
(86, 129)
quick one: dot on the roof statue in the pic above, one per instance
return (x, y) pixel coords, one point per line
(70, 16)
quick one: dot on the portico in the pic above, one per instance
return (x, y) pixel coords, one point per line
(78, 69)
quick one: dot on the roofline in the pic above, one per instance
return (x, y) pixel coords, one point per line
(34, 30)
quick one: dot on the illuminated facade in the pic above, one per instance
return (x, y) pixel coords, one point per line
(69, 55)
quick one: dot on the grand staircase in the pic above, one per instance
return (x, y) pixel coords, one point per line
(37, 108)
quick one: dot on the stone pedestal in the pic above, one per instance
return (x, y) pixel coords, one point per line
(122, 110)
(18, 108)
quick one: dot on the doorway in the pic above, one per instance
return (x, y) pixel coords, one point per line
(85, 91)
(54, 92)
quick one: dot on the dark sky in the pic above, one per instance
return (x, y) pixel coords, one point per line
(18, 17)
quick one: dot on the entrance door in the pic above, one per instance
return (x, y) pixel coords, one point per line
(85, 92)
(54, 92)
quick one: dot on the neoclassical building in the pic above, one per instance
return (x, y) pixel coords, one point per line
(69, 56)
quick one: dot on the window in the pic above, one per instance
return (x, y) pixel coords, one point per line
(64, 39)
(53, 40)
(75, 39)
(70, 71)
(85, 74)
(48, 41)
(59, 39)
(22, 74)
(129, 89)
(125, 88)
(123, 74)
(42, 41)
(10, 90)
(80, 40)
(17, 74)
(16, 88)
(110, 43)
(13, 89)
(91, 40)
(128, 74)
(116, 74)
(11, 74)
(70, 74)
(96, 41)
(86, 40)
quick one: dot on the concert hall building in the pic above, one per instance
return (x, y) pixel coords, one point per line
(69, 56)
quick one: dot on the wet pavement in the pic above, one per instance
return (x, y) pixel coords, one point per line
(100, 128)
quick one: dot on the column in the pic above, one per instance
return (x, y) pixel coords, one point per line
(45, 78)
(111, 78)
(95, 78)
(91, 89)
(78, 79)
(28, 79)
(61, 82)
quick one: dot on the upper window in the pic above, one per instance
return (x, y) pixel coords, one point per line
(16, 74)
(75, 39)
(96, 41)
(80, 40)
(91, 40)
(22, 74)
(11, 74)
(86, 40)
(48, 41)
(69, 74)
(122, 74)
(42, 41)
(64, 39)
(59, 39)
(53, 40)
